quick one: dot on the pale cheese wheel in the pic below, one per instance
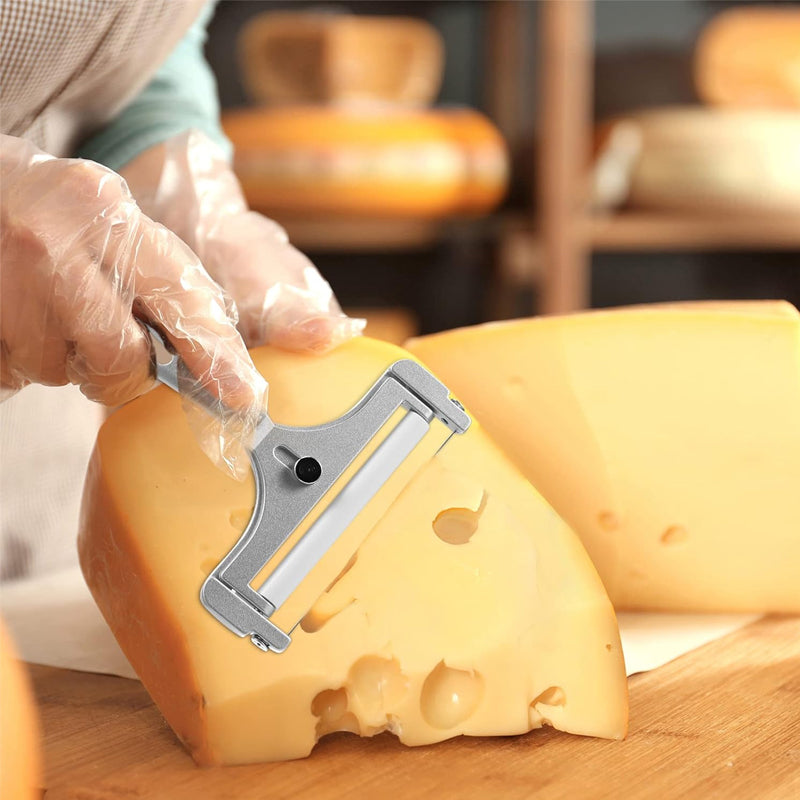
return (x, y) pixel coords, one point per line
(713, 160)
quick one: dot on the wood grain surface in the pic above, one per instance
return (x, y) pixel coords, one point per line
(722, 721)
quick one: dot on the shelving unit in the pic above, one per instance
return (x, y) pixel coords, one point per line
(550, 245)
(562, 234)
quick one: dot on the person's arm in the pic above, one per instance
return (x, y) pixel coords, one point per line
(187, 185)
(169, 146)
(181, 96)
(80, 265)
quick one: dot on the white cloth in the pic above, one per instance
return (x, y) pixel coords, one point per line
(46, 436)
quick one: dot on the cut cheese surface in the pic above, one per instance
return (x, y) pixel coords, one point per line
(668, 437)
(470, 608)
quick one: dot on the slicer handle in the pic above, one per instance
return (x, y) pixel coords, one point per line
(171, 370)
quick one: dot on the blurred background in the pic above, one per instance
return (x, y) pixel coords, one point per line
(447, 163)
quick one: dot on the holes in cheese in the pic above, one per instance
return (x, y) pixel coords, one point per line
(457, 525)
(330, 707)
(450, 696)
(239, 518)
(608, 521)
(552, 696)
(377, 686)
(416, 636)
(674, 535)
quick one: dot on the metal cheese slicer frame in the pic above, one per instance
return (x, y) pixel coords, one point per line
(294, 468)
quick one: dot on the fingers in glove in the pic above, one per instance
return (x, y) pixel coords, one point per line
(173, 290)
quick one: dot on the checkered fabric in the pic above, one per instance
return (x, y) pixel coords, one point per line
(67, 67)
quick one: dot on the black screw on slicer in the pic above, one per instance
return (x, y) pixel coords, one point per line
(307, 470)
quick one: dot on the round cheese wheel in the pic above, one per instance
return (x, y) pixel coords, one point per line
(288, 57)
(20, 764)
(714, 160)
(750, 57)
(308, 160)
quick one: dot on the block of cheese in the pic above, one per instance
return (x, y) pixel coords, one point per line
(331, 161)
(20, 756)
(710, 160)
(470, 609)
(667, 437)
(289, 57)
(750, 58)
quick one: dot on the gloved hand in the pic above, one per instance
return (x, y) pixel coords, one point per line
(187, 185)
(79, 262)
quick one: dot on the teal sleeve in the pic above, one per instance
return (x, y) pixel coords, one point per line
(182, 96)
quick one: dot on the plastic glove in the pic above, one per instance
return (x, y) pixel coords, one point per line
(79, 262)
(187, 185)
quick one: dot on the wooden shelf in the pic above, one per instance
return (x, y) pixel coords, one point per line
(358, 234)
(551, 244)
(641, 230)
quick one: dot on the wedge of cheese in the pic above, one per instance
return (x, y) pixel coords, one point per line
(470, 608)
(667, 437)
(20, 755)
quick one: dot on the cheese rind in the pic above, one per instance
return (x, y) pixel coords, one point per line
(667, 437)
(339, 162)
(20, 756)
(424, 635)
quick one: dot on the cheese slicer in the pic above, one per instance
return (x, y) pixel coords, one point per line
(311, 483)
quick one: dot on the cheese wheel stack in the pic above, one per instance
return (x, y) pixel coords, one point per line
(317, 159)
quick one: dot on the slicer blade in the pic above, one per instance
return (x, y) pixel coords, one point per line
(343, 509)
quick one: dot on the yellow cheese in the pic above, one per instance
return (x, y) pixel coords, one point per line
(471, 608)
(750, 58)
(20, 757)
(667, 437)
(291, 58)
(340, 162)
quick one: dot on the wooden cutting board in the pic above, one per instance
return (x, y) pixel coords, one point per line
(722, 721)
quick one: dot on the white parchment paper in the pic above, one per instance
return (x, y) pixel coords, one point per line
(54, 621)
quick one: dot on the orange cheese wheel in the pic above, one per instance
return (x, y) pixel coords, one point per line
(309, 160)
(20, 758)
(750, 58)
